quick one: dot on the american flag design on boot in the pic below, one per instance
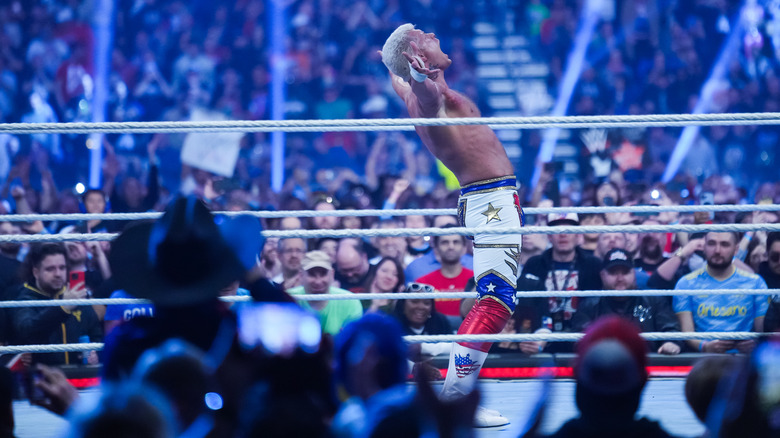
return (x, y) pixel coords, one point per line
(464, 366)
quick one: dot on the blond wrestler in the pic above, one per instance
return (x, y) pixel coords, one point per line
(488, 194)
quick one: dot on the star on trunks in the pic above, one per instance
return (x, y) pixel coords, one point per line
(491, 288)
(492, 213)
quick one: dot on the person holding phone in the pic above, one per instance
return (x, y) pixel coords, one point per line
(46, 272)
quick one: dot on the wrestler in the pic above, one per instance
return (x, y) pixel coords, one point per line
(488, 195)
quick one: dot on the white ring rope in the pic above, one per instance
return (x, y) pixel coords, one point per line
(408, 296)
(418, 339)
(573, 337)
(395, 124)
(397, 212)
(404, 232)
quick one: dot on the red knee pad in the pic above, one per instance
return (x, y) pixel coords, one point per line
(487, 317)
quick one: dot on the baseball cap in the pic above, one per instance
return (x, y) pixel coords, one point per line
(617, 257)
(563, 219)
(316, 259)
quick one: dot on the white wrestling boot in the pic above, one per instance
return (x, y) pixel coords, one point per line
(461, 379)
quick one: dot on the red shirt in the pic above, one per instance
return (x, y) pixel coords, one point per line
(448, 306)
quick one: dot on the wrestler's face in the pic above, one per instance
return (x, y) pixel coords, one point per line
(431, 50)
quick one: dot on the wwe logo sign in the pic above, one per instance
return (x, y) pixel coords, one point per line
(464, 365)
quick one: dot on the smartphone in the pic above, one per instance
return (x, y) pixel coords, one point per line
(74, 278)
(34, 394)
(278, 328)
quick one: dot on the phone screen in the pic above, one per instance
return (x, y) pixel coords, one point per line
(278, 328)
(33, 393)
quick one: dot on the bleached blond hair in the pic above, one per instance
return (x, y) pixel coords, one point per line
(392, 52)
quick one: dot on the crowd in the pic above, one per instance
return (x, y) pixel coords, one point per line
(177, 61)
(190, 363)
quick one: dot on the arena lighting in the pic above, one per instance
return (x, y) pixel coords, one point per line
(103, 27)
(278, 67)
(80, 189)
(591, 15)
(730, 48)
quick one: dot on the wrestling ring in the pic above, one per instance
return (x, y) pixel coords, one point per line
(508, 384)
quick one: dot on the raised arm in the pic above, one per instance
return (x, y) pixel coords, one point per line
(425, 83)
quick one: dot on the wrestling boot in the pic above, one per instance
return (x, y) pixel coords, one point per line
(486, 317)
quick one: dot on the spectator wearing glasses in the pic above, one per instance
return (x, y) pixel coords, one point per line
(291, 253)
(770, 272)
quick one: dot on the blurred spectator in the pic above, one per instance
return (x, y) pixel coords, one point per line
(590, 240)
(9, 253)
(45, 270)
(650, 313)
(721, 313)
(452, 276)
(770, 272)
(430, 262)
(563, 267)
(291, 252)
(611, 375)
(351, 264)
(387, 276)
(703, 382)
(129, 409)
(371, 364)
(318, 279)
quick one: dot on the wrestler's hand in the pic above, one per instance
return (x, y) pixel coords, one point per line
(417, 60)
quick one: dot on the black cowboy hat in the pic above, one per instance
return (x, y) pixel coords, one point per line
(180, 259)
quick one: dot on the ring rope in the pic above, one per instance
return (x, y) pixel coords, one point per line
(418, 339)
(395, 212)
(404, 232)
(408, 296)
(395, 124)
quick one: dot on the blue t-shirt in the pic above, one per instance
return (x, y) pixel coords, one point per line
(722, 313)
(126, 312)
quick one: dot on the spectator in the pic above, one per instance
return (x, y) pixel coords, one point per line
(387, 276)
(371, 365)
(651, 250)
(351, 264)
(419, 316)
(9, 253)
(45, 269)
(429, 262)
(391, 246)
(721, 313)
(318, 279)
(291, 252)
(590, 240)
(649, 313)
(703, 382)
(770, 272)
(563, 267)
(611, 375)
(609, 241)
(452, 276)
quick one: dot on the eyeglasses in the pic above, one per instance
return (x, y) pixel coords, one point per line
(418, 287)
(774, 257)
